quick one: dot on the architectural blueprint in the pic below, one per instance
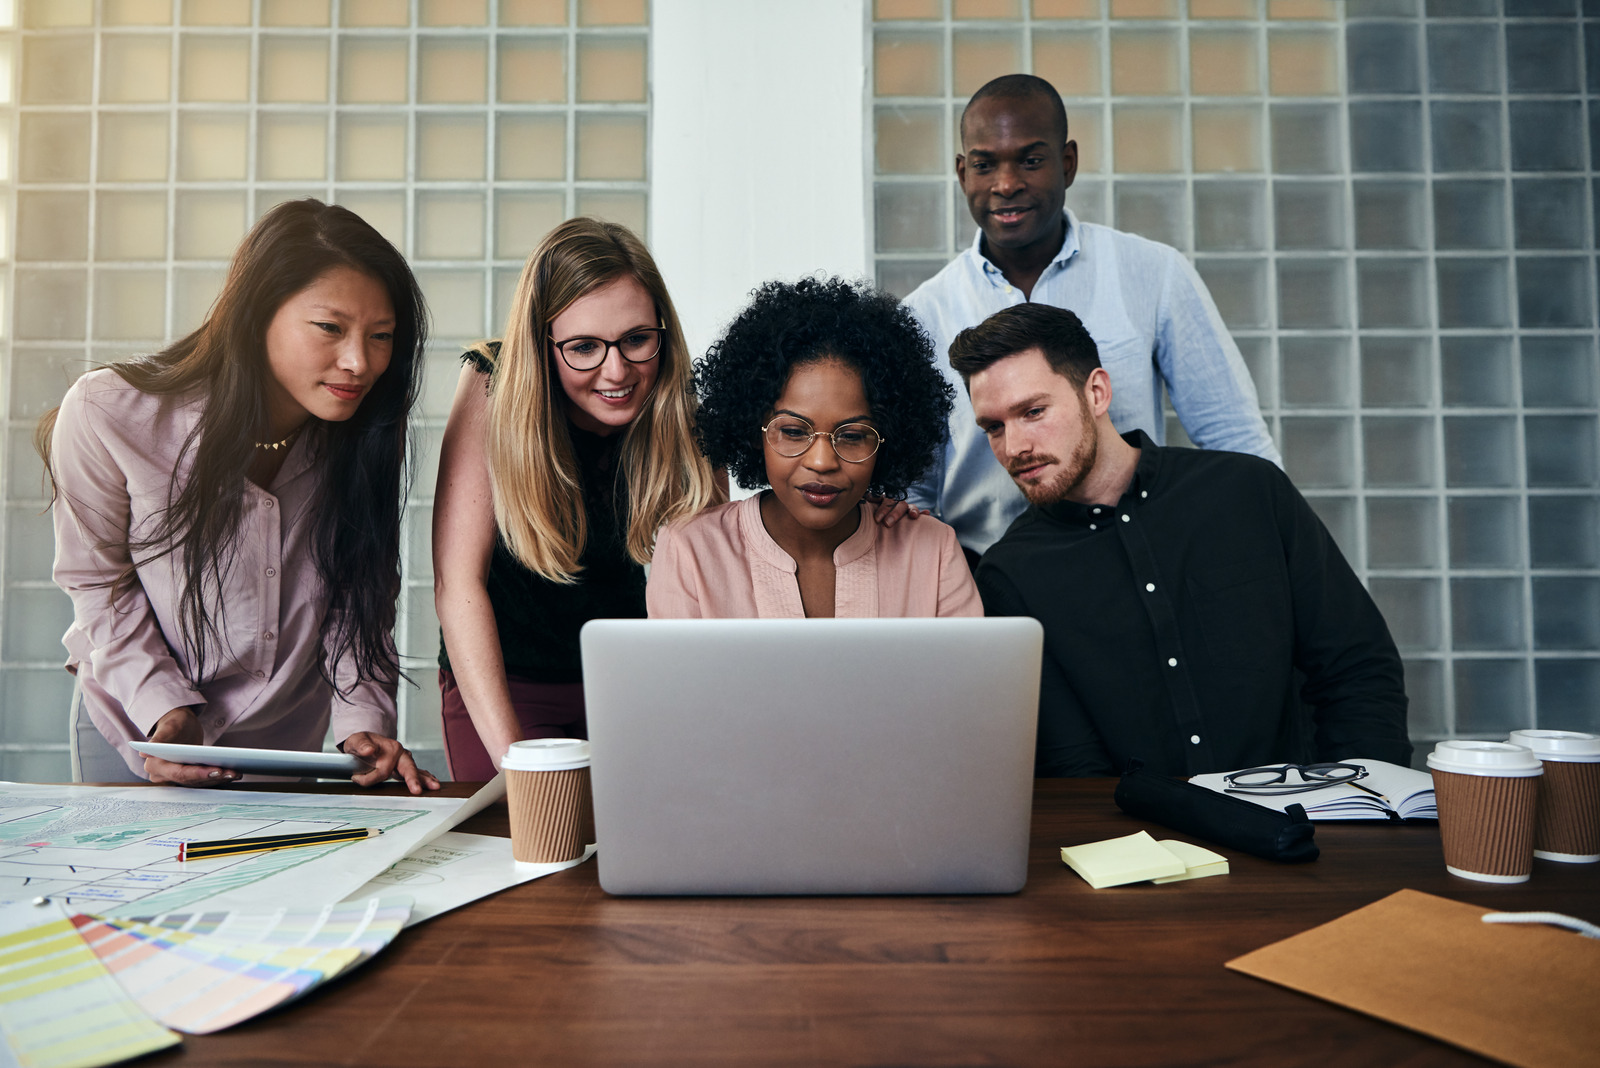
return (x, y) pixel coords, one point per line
(113, 851)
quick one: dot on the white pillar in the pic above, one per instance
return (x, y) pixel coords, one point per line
(757, 166)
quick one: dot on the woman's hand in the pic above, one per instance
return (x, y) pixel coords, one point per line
(181, 727)
(887, 511)
(389, 759)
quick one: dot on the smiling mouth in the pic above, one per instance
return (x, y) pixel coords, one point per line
(820, 493)
(616, 395)
(343, 392)
(1030, 470)
(1009, 215)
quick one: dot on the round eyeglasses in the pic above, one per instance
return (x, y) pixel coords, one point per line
(587, 353)
(791, 436)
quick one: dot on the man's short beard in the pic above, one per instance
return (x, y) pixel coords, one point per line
(1077, 468)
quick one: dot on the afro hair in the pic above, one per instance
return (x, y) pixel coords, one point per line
(788, 324)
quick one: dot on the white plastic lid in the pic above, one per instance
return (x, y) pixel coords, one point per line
(1574, 746)
(1466, 757)
(546, 754)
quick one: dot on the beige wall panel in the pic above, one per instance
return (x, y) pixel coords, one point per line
(130, 305)
(1226, 139)
(1068, 60)
(214, 69)
(1147, 140)
(375, 13)
(980, 57)
(1224, 63)
(209, 224)
(611, 147)
(1066, 9)
(1145, 9)
(531, 147)
(453, 12)
(985, 9)
(51, 304)
(455, 298)
(372, 148)
(452, 70)
(613, 12)
(1086, 127)
(296, 12)
(52, 225)
(521, 221)
(625, 208)
(1224, 9)
(910, 141)
(907, 9)
(533, 12)
(213, 147)
(53, 13)
(1145, 63)
(133, 146)
(450, 147)
(57, 70)
(611, 69)
(136, 12)
(908, 64)
(449, 226)
(193, 291)
(54, 147)
(135, 68)
(1303, 62)
(532, 70)
(372, 70)
(386, 212)
(130, 226)
(1303, 9)
(294, 70)
(291, 147)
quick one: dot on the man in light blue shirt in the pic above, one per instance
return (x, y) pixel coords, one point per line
(1146, 308)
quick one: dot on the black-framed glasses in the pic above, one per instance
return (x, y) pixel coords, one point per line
(1292, 778)
(587, 353)
(789, 435)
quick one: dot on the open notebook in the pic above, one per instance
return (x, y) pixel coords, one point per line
(1408, 794)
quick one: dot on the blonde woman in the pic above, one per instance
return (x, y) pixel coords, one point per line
(570, 443)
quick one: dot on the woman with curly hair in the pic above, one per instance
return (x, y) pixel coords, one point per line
(227, 513)
(568, 446)
(823, 391)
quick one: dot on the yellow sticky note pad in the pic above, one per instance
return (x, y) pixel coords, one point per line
(1118, 861)
(1198, 862)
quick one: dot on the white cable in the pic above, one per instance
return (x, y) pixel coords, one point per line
(1555, 919)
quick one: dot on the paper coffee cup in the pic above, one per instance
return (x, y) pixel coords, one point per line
(547, 791)
(1567, 827)
(1488, 794)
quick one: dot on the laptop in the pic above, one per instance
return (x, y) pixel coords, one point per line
(824, 756)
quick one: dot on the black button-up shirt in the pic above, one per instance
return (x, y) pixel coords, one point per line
(1176, 622)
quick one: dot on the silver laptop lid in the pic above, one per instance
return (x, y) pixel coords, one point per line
(839, 756)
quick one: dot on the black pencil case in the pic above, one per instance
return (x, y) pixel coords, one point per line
(1227, 821)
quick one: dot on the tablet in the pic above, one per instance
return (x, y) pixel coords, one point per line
(257, 761)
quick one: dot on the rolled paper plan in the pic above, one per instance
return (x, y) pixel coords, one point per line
(227, 847)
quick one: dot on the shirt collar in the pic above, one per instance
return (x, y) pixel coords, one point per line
(1069, 248)
(760, 542)
(1146, 473)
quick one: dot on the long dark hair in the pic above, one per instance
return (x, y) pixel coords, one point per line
(356, 507)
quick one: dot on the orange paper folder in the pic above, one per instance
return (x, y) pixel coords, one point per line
(1525, 994)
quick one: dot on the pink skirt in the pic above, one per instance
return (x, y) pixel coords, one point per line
(544, 710)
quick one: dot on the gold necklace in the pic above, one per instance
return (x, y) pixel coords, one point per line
(276, 445)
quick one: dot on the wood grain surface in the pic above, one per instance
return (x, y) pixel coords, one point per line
(558, 972)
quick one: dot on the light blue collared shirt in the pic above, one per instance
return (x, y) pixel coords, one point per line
(1154, 323)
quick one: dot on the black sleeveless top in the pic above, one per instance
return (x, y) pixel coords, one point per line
(538, 620)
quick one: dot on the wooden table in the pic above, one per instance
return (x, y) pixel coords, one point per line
(558, 972)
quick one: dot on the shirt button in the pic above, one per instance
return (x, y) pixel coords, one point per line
(1172, 661)
(272, 572)
(1194, 739)
(1091, 526)
(261, 674)
(1144, 493)
(1124, 518)
(267, 503)
(1097, 511)
(269, 635)
(1149, 587)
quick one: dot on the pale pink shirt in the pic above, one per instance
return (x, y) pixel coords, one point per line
(113, 454)
(722, 564)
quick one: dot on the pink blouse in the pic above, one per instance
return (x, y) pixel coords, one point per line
(722, 563)
(114, 453)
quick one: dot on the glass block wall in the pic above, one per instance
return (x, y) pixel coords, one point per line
(1392, 203)
(142, 137)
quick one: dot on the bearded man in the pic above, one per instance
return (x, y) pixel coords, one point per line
(1197, 614)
